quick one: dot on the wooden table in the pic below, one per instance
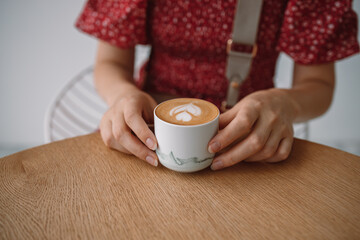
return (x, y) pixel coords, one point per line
(78, 188)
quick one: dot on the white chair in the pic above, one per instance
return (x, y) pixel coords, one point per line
(77, 109)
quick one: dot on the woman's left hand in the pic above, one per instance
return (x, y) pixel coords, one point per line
(258, 128)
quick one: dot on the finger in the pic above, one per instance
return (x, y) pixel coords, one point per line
(118, 126)
(149, 112)
(138, 125)
(124, 140)
(108, 138)
(225, 118)
(237, 128)
(136, 147)
(246, 148)
(117, 146)
(283, 151)
(269, 149)
(106, 131)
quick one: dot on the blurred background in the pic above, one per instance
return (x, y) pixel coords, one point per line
(40, 50)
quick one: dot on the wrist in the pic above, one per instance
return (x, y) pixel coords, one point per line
(118, 91)
(294, 108)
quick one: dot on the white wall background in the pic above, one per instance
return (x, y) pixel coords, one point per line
(40, 50)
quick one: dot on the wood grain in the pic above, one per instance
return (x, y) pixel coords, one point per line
(79, 189)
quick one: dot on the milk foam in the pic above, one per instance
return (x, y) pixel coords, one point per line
(184, 112)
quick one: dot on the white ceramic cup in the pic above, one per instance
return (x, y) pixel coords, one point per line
(184, 148)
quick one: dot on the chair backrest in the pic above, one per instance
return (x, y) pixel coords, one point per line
(76, 110)
(301, 130)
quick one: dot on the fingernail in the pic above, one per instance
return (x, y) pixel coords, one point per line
(150, 144)
(218, 164)
(151, 160)
(214, 147)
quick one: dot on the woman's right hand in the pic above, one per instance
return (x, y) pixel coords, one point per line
(124, 126)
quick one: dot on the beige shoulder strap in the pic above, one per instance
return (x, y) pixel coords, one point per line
(245, 29)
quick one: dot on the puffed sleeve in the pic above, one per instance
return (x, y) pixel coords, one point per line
(315, 32)
(119, 22)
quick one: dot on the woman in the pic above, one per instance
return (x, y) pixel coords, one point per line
(188, 59)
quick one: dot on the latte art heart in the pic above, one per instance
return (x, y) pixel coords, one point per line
(183, 116)
(184, 112)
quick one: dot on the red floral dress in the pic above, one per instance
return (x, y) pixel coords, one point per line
(188, 39)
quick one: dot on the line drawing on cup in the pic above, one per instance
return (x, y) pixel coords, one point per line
(180, 161)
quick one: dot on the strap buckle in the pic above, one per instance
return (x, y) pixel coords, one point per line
(230, 43)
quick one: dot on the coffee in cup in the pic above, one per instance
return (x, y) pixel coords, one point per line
(183, 128)
(187, 111)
